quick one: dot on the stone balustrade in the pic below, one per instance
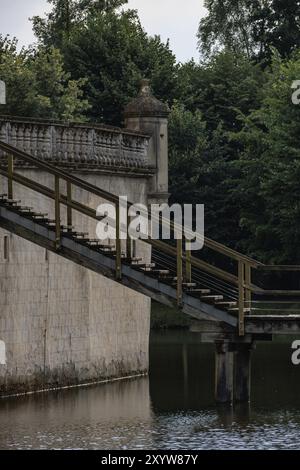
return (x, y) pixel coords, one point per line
(77, 144)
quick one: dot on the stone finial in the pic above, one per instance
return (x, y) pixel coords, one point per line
(146, 105)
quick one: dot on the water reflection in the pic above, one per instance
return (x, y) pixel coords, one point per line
(105, 416)
(173, 410)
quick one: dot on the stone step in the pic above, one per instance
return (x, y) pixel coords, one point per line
(164, 272)
(40, 215)
(97, 242)
(186, 285)
(189, 285)
(139, 262)
(228, 304)
(144, 265)
(236, 310)
(80, 235)
(109, 249)
(161, 272)
(212, 298)
(26, 210)
(13, 202)
(199, 291)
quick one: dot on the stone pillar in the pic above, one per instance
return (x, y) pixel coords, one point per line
(224, 372)
(148, 115)
(242, 373)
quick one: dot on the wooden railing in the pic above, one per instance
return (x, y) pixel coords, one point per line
(187, 265)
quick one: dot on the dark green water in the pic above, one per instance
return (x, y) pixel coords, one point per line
(173, 409)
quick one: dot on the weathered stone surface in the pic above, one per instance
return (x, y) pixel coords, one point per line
(77, 144)
(146, 105)
(62, 324)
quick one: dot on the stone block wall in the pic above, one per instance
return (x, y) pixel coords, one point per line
(60, 323)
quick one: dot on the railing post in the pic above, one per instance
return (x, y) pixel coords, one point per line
(241, 276)
(10, 164)
(179, 272)
(188, 263)
(69, 208)
(57, 214)
(248, 280)
(118, 245)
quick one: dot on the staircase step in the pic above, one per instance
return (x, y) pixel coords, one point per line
(199, 291)
(189, 285)
(144, 265)
(213, 298)
(80, 235)
(40, 215)
(99, 244)
(170, 278)
(162, 272)
(27, 210)
(13, 202)
(141, 264)
(226, 304)
(235, 310)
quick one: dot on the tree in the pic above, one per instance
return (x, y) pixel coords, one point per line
(212, 98)
(110, 49)
(187, 141)
(55, 29)
(37, 85)
(251, 26)
(271, 168)
(221, 88)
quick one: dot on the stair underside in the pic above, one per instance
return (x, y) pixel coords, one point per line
(150, 284)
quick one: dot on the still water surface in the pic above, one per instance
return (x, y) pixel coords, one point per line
(172, 409)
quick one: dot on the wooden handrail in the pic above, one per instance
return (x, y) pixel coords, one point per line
(242, 281)
(215, 246)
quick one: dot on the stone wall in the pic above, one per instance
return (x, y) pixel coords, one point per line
(60, 323)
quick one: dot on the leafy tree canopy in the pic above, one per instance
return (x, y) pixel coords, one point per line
(270, 165)
(37, 85)
(251, 26)
(109, 49)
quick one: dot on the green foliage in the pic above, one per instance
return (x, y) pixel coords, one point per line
(223, 87)
(271, 168)
(56, 27)
(110, 49)
(204, 158)
(250, 26)
(187, 134)
(163, 317)
(234, 132)
(38, 86)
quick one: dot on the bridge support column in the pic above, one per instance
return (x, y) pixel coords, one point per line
(224, 372)
(242, 372)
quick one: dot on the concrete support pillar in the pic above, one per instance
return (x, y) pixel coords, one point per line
(242, 373)
(224, 372)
